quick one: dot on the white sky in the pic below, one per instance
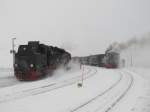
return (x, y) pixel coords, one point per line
(82, 26)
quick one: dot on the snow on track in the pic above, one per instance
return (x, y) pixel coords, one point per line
(6, 95)
(96, 97)
(67, 98)
(133, 100)
(7, 79)
(105, 101)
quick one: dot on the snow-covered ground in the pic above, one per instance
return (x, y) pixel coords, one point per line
(118, 90)
(137, 61)
(143, 100)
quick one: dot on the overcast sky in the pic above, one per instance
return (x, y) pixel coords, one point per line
(82, 26)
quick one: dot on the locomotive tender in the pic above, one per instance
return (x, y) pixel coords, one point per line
(35, 60)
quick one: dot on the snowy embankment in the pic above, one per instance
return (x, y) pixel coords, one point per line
(7, 78)
(143, 101)
(118, 90)
(65, 98)
(137, 59)
(132, 101)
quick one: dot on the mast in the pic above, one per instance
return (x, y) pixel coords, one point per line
(13, 50)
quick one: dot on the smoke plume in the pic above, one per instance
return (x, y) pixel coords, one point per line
(119, 47)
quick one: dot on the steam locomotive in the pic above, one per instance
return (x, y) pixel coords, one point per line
(108, 60)
(35, 60)
(111, 59)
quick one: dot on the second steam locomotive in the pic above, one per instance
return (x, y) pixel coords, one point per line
(108, 60)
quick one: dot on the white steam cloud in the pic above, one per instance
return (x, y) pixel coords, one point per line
(119, 47)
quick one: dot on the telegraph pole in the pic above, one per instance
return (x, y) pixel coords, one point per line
(82, 77)
(13, 50)
(82, 74)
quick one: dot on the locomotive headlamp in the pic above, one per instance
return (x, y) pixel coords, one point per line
(24, 48)
(31, 65)
(16, 65)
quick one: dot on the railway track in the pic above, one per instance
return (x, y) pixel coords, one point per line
(122, 95)
(46, 88)
(103, 102)
(99, 95)
(106, 106)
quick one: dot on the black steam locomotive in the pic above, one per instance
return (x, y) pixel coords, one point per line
(36, 60)
(111, 59)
